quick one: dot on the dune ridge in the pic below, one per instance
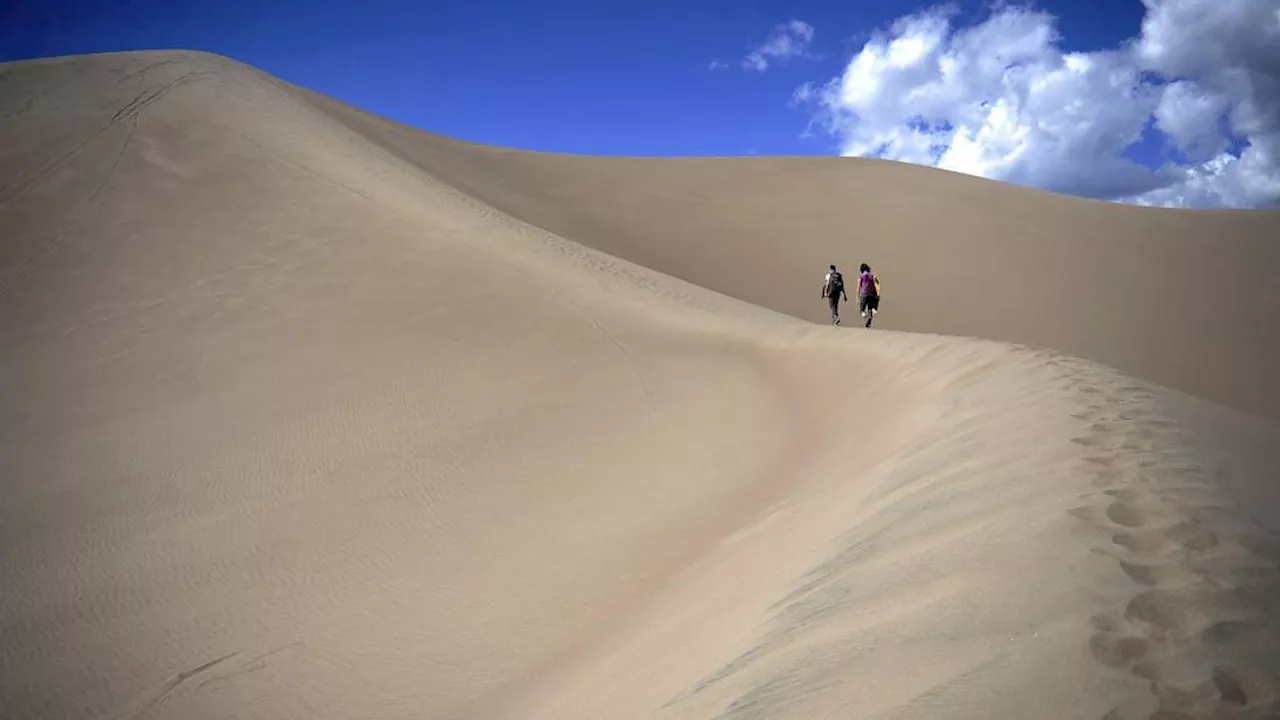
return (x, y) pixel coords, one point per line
(315, 415)
(1180, 297)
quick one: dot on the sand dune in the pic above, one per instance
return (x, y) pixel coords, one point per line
(1182, 298)
(311, 415)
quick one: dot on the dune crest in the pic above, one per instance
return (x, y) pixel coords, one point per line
(1183, 298)
(313, 415)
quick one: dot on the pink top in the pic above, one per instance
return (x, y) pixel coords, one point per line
(866, 284)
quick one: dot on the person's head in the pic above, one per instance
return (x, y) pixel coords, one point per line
(833, 267)
(864, 268)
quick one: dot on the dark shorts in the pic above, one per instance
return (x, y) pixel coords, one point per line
(868, 302)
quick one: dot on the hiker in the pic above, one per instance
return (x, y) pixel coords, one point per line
(868, 293)
(832, 290)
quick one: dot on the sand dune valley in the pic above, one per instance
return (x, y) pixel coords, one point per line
(310, 414)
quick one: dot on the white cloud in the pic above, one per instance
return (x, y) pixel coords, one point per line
(788, 40)
(1001, 99)
(717, 65)
(1190, 115)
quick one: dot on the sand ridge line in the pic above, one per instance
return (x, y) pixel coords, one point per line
(129, 110)
(621, 277)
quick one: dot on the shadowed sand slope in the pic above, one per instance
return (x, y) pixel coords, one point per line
(307, 416)
(1185, 299)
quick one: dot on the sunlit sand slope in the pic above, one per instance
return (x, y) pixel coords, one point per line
(300, 424)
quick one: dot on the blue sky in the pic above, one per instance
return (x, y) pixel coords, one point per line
(593, 76)
(614, 77)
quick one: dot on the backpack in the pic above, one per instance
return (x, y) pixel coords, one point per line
(836, 283)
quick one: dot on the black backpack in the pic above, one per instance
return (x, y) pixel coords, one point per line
(837, 283)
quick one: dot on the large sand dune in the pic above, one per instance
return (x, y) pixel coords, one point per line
(1186, 299)
(310, 415)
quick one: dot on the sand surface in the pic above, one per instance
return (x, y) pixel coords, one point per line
(311, 415)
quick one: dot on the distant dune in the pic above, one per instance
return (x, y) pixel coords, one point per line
(313, 415)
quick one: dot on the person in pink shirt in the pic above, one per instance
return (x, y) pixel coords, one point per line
(868, 293)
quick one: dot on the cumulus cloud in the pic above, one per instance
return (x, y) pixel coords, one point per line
(1002, 99)
(788, 40)
(1191, 117)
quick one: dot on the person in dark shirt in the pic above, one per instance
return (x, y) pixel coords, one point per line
(833, 290)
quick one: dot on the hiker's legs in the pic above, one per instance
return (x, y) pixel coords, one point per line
(870, 304)
(834, 301)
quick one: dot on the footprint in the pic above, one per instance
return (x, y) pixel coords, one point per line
(1089, 513)
(1193, 536)
(1229, 689)
(1152, 542)
(1111, 475)
(1123, 512)
(1118, 650)
(1183, 537)
(1141, 431)
(1193, 610)
(1090, 413)
(1228, 633)
(1108, 623)
(1118, 444)
(1159, 575)
(1185, 691)
(1125, 495)
(1178, 678)
(1255, 686)
(1096, 514)
(1125, 515)
(1163, 610)
(1195, 696)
